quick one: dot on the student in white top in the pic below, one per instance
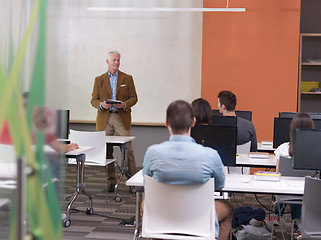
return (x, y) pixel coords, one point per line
(300, 120)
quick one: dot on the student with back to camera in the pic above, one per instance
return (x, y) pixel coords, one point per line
(300, 120)
(226, 103)
(224, 211)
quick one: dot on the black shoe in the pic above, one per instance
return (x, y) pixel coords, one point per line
(111, 188)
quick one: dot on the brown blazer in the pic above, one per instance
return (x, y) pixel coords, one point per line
(125, 92)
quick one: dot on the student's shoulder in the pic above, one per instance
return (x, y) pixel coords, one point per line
(244, 122)
(158, 146)
(207, 150)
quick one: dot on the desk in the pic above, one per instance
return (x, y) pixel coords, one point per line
(286, 186)
(244, 160)
(233, 183)
(80, 183)
(122, 142)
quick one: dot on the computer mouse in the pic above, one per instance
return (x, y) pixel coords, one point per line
(246, 179)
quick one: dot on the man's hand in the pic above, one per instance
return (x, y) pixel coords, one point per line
(119, 105)
(106, 105)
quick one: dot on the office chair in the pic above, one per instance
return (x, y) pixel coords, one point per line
(178, 212)
(285, 168)
(310, 221)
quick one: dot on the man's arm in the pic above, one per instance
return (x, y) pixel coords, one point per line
(218, 174)
(95, 96)
(253, 140)
(132, 95)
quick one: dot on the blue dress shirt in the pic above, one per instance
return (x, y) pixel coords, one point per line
(181, 161)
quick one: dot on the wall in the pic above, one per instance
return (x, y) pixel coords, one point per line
(161, 50)
(255, 55)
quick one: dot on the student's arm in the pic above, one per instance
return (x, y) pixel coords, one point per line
(253, 141)
(62, 148)
(218, 174)
(147, 163)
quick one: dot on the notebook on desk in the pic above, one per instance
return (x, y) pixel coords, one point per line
(259, 155)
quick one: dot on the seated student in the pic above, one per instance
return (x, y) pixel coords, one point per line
(300, 120)
(224, 211)
(202, 111)
(50, 139)
(226, 103)
(181, 161)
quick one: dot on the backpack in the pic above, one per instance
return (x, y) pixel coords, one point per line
(255, 230)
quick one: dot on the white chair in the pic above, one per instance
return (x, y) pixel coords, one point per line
(241, 149)
(178, 212)
(97, 156)
(310, 221)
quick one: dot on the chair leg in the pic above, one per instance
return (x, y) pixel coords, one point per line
(292, 229)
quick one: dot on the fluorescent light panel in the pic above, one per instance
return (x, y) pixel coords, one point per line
(116, 9)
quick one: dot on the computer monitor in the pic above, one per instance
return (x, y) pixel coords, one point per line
(224, 121)
(243, 114)
(62, 124)
(307, 149)
(286, 114)
(291, 115)
(281, 132)
(221, 138)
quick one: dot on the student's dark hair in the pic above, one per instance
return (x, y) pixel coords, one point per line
(202, 111)
(228, 99)
(300, 120)
(180, 116)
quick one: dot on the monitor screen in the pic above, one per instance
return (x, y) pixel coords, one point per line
(291, 115)
(243, 114)
(287, 114)
(307, 149)
(224, 121)
(281, 132)
(221, 138)
(62, 124)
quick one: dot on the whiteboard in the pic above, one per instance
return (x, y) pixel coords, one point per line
(161, 50)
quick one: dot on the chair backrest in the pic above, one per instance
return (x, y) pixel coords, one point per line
(243, 148)
(311, 210)
(97, 156)
(285, 168)
(8, 161)
(171, 209)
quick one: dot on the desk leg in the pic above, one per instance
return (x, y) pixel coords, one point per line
(80, 187)
(82, 163)
(122, 168)
(137, 215)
